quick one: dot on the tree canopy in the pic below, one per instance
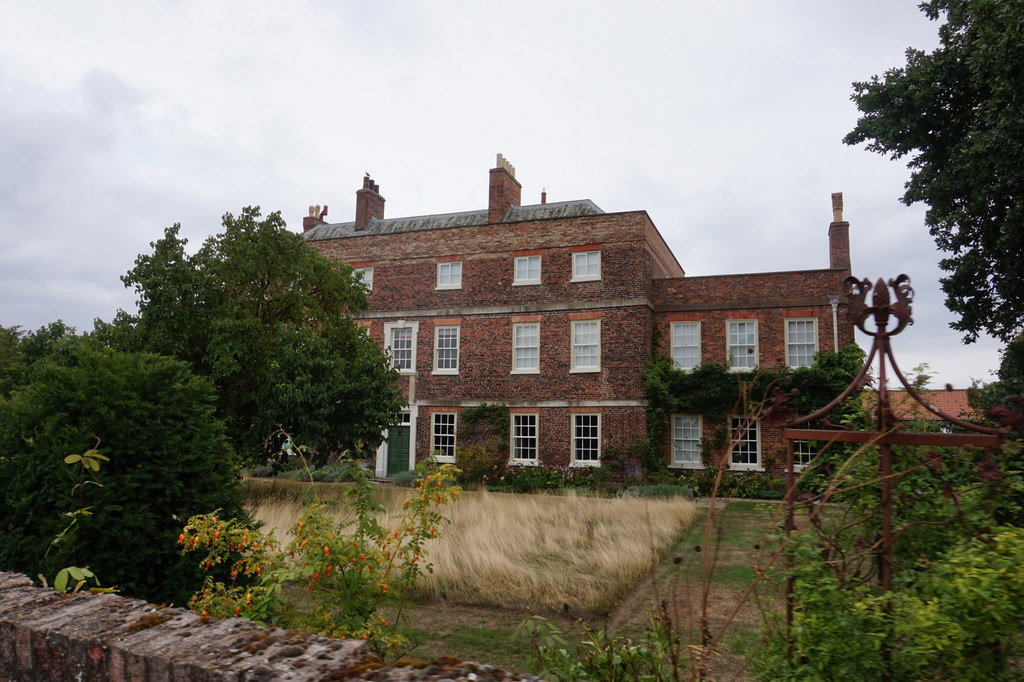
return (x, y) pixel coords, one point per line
(269, 320)
(958, 114)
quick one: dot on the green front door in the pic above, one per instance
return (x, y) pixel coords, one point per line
(398, 449)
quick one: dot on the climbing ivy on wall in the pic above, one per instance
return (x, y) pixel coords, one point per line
(484, 422)
(714, 392)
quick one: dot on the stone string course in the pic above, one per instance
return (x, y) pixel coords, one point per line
(47, 635)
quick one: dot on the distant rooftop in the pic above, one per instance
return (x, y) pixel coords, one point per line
(951, 401)
(517, 214)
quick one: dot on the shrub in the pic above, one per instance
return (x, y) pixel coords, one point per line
(332, 473)
(405, 479)
(480, 463)
(168, 460)
(657, 655)
(259, 471)
(531, 479)
(355, 573)
(745, 484)
(661, 490)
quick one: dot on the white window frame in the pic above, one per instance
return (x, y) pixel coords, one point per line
(742, 446)
(389, 336)
(519, 436)
(449, 274)
(680, 441)
(730, 335)
(444, 438)
(575, 366)
(517, 280)
(586, 266)
(790, 342)
(366, 275)
(437, 348)
(804, 452)
(677, 334)
(524, 368)
(580, 442)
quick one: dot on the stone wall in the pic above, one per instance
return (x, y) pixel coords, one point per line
(49, 636)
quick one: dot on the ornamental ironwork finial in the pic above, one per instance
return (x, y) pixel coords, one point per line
(882, 307)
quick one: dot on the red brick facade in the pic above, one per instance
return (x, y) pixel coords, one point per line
(552, 309)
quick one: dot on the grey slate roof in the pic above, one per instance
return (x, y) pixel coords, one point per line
(518, 214)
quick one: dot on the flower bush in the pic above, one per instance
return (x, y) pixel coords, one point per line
(348, 577)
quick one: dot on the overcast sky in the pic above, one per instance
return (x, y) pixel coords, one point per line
(723, 120)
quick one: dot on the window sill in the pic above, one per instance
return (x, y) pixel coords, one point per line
(585, 464)
(523, 463)
(526, 283)
(691, 467)
(525, 371)
(584, 370)
(441, 287)
(589, 278)
(445, 372)
(746, 467)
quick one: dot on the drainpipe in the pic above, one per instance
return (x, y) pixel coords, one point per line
(833, 300)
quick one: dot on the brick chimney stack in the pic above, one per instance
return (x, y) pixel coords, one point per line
(315, 218)
(505, 191)
(838, 236)
(369, 204)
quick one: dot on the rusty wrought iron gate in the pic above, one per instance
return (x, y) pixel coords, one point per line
(890, 317)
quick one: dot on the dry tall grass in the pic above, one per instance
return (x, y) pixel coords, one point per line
(533, 552)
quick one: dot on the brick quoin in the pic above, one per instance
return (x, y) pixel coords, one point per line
(639, 292)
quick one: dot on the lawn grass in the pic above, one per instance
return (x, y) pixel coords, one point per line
(508, 557)
(487, 634)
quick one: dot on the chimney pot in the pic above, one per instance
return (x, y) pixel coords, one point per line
(369, 204)
(838, 236)
(315, 218)
(837, 207)
(505, 191)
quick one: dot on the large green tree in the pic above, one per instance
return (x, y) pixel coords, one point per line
(269, 320)
(958, 114)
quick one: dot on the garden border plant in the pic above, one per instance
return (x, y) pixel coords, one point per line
(355, 573)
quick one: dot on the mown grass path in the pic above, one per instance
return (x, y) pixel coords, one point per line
(738, 532)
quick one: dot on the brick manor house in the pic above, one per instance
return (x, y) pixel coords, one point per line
(552, 309)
